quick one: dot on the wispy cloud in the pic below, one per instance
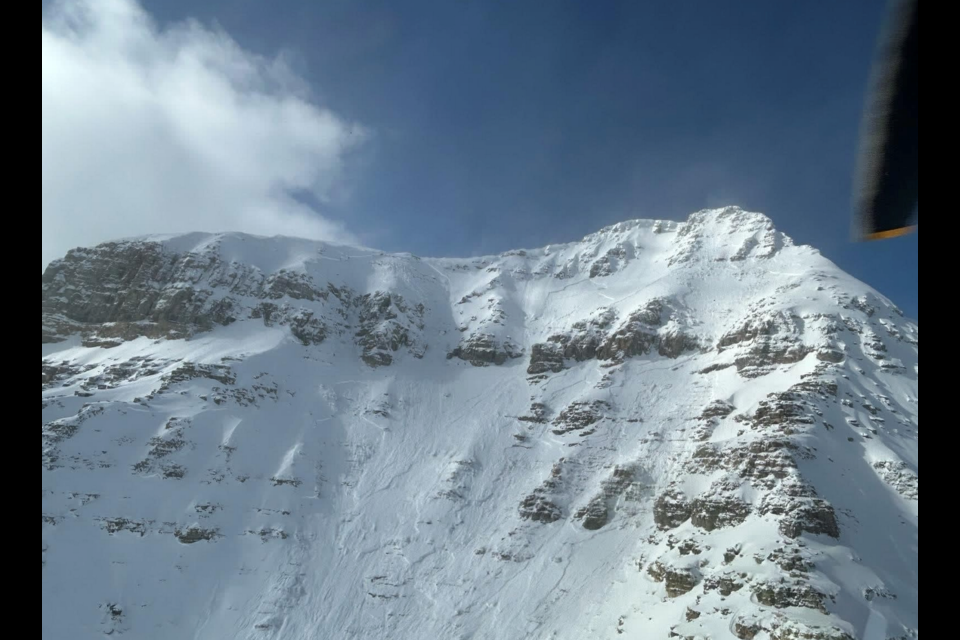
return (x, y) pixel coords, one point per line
(158, 130)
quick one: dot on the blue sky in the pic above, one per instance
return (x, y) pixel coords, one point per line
(491, 125)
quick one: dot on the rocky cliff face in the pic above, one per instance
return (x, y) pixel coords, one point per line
(688, 430)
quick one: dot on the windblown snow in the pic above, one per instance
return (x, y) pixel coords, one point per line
(693, 430)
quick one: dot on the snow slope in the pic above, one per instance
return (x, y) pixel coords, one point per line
(665, 430)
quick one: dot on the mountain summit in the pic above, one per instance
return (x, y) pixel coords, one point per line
(694, 430)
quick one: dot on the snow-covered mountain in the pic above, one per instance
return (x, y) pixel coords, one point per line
(692, 430)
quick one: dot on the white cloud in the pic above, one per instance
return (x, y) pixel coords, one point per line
(149, 130)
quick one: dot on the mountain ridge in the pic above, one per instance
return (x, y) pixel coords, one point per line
(666, 429)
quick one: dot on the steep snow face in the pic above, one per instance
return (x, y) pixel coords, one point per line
(687, 430)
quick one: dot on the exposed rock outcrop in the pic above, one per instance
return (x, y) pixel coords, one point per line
(481, 350)
(655, 326)
(676, 580)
